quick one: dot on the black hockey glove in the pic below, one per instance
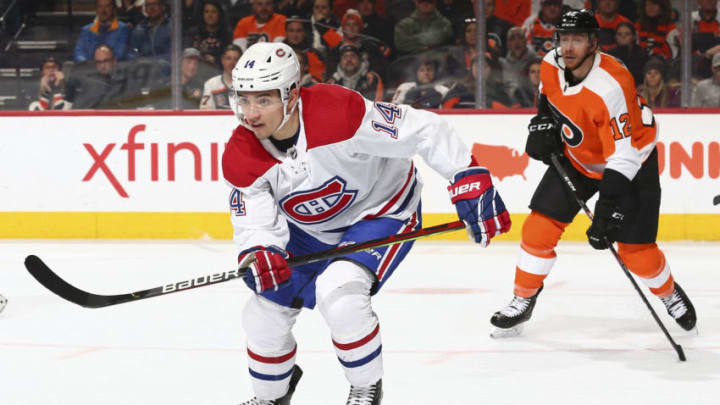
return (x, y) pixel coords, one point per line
(608, 216)
(543, 138)
(606, 222)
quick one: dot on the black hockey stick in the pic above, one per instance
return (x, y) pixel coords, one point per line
(716, 200)
(571, 186)
(45, 276)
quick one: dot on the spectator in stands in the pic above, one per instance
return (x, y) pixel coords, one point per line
(396, 9)
(106, 29)
(540, 28)
(423, 30)
(192, 13)
(608, 19)
(462, 92)
(298, 37)
(656, 31)
(526, 94)
(294, 7)
(355, 74)
(211, 37)
(424, 91)
(306, 78)
(515, 63)
(496, 28)
(192, 87)
(264, 25)
(375, 25)
(459, 58)
(457, 11)
(102, 89)
(628, 51)
(151, 38)
(705, 37)
(376, 54)
(324, 26)
(707, 91)
(514, 11)
(654, 89)
(130, 11)
(215, 91)
(237, 10)
(51, 92)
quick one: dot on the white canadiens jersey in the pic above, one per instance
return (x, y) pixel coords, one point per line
(352, 161)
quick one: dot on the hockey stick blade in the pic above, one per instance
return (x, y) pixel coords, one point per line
(716, 200)
(45, 276)
(568, 182)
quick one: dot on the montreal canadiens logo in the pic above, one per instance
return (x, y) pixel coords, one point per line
(320, 204)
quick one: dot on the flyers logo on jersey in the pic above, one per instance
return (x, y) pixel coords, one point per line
(571, 133)
(320, 204)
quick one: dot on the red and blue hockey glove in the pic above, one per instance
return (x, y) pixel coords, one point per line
(479, 205)
(267, 268)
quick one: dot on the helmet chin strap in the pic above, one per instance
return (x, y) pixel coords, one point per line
(286, 115)
(568, 71)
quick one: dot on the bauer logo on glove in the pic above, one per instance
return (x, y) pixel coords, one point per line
(478, 205)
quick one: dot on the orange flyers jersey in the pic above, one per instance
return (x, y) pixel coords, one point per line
(271, 31)
(603, 121)
(539, 34)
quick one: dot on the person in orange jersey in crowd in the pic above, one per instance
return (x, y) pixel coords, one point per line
(608, 19)
(264, 25)
(591, 116)
(656, 31)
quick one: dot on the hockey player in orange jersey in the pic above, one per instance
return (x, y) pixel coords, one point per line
(589, 113)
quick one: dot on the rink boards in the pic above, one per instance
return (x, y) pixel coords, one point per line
(158, 175)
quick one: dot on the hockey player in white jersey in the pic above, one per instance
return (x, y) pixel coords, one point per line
(315, 168)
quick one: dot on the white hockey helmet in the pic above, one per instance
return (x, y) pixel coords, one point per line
(265, 66)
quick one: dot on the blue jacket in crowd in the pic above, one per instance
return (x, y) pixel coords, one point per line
(92, 35)
(149, 41)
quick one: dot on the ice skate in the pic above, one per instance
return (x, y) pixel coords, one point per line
(285, 399)
(509, 321)
(678, 306)
(370, 395)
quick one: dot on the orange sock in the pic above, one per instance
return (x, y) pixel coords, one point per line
(540, 235)
(648, 262)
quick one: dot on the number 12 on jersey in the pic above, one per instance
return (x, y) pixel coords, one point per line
(617, 132)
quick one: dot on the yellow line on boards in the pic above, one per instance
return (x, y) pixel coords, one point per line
(203, 225)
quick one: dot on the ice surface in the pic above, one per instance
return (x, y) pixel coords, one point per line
(591, 339)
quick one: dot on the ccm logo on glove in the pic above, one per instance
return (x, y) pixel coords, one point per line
(541, 127)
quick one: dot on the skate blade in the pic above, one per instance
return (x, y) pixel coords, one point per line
(502, 333)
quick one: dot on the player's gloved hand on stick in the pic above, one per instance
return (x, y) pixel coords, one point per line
(543, 138)
(479, 205)
(267, 267)
(606, 222)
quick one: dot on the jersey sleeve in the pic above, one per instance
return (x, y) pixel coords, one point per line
(255, 217)
(627, 132)
(400, 131)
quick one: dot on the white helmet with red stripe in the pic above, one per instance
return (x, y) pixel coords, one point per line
(265, 66)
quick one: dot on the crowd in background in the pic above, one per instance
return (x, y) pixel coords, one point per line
(419, 52)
